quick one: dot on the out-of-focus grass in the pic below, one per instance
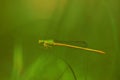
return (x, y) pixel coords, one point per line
(95, 21)
(45, 67)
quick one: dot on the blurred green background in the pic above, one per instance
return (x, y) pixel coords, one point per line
(24, 22)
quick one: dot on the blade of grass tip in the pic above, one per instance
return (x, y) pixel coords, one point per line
(71, 69)
(17, 62)
(69, 66)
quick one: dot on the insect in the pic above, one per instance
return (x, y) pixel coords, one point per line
(49, 43)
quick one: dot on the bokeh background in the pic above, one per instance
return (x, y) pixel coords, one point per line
(24, 22)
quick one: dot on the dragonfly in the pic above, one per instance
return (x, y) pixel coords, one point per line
(49, 43)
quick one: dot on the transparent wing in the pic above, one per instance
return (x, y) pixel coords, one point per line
(73, 42)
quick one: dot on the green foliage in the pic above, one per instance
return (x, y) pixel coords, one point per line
(46, 67)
